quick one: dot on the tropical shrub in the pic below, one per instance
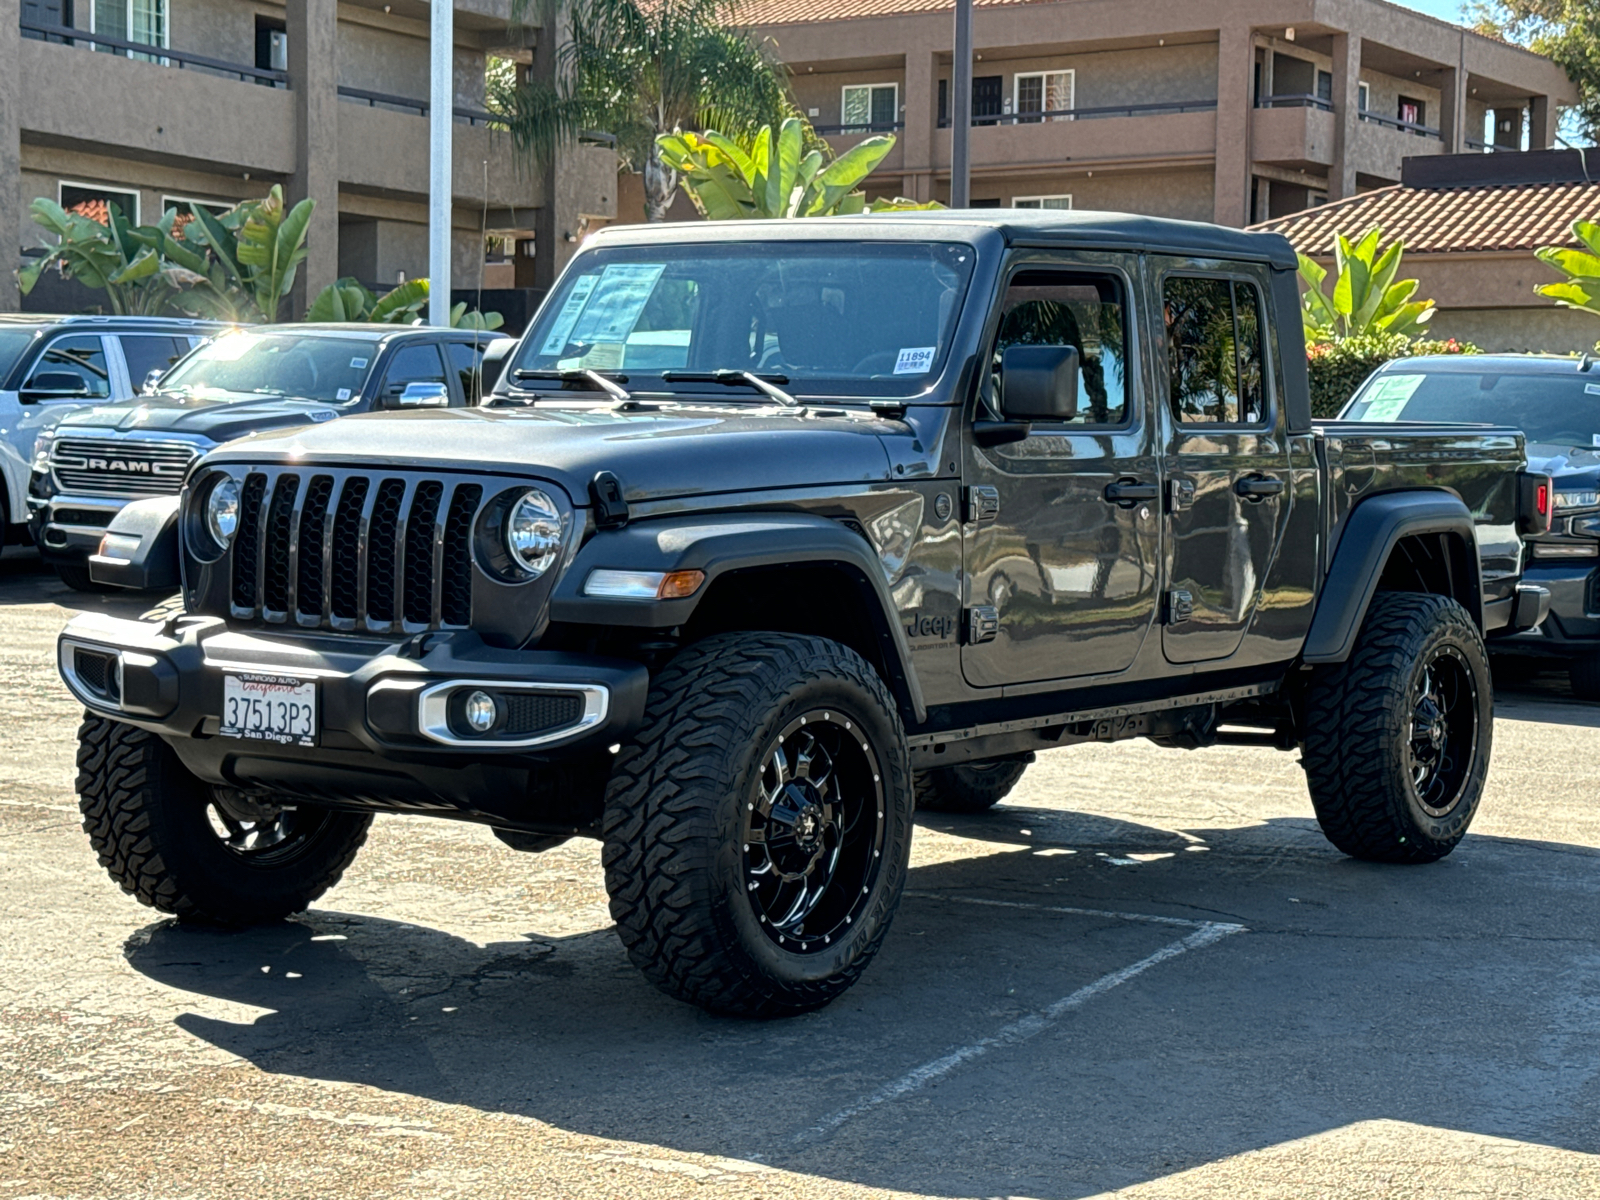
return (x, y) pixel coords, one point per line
(1580, 289)
(775, 176)
(118, 258)
(350, 300)
(1338, 368)
(1366, 297)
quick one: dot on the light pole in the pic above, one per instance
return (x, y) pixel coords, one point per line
(441, 114)
(961, 108)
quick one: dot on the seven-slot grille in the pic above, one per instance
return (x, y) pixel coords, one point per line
(121, 467)
(347, 551)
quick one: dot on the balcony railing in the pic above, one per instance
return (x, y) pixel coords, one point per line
(65, 35)
(1404, 126)
(869, 127)
(1295, 100)
(470, 116)
(1090, 114)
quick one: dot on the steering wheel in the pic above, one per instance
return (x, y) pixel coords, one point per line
(869, 364)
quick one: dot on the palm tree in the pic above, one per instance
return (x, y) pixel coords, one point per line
(641, 68)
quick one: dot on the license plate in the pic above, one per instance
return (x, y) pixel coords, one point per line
(271, 708)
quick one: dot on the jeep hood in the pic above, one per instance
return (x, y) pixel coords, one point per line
(220, 419)
(657, 455)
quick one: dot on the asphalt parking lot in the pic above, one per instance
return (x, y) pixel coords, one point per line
(1146, 974)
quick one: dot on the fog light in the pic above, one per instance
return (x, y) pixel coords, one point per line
(480, 712)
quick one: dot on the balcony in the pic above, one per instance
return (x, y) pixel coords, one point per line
(1017, 144)
(198, 113)
(1293, 132)
(1381, 142)
(842, 137)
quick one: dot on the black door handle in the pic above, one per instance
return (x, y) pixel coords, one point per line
(1129, 491)
(1258, 487)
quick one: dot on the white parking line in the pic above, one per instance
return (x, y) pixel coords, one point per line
(1205, 934)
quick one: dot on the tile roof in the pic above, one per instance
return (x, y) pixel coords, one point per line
(1440, 220)
(797, 12)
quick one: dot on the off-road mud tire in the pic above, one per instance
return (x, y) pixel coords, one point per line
(1358, 732)
(675, 809)
(145, 815)
(972, 787)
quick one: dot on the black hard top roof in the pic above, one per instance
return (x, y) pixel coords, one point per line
(1482, 364)
(1080, 228)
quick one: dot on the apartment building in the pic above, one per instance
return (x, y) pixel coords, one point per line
(1232, 111)
(154, 104)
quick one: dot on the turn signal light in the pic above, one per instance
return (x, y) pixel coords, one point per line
(643, 585)
(675, 585)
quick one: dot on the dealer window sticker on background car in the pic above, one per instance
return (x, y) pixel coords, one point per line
(1390, 395)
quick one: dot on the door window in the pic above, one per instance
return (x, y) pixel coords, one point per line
(987, 99)
(466, 360)
(1214, 350)
(413, 364)
(1085, 311)
(869, 106)
(1043, 92)
(145, 353)
(81, 355)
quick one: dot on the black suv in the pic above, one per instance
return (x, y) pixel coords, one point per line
(93, 461)
(1556, 403)
(776, 531)
(52, 365)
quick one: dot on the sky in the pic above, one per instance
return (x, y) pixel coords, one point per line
(1448, 10)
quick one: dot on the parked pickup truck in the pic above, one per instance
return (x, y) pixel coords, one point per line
(93, 461)
(773, 532)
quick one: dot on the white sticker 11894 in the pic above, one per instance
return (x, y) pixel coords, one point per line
(916, 360)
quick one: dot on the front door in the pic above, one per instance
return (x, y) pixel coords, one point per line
(1227, 461)
(1062, 532)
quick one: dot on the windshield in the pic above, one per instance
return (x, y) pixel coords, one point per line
(1549, 408)
(833, 318)
(240, 366)
(12, 343)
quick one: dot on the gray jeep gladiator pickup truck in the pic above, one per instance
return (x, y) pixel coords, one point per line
(772, 532)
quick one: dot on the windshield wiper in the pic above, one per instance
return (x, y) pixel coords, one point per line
(766, 384)
(611, 387)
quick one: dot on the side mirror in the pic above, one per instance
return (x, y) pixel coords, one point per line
(54, 385)
(1039, 383)
(424, 395)
(151, 380)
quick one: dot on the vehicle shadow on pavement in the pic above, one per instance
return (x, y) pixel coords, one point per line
(1461, 995)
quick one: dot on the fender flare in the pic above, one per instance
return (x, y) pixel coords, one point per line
(1371, 532)
(732, 542)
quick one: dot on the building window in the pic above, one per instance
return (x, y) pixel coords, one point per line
(1214, 350)
(869, 106)
(180, 204)
(1325, 87)
(1364, 98)
(1060, 203)
(142, 21)
(93, 201)
(1411, 112)
(1043, 93)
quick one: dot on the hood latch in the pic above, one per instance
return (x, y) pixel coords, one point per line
(610, 508)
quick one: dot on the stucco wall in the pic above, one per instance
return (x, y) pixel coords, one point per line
(1535, 330)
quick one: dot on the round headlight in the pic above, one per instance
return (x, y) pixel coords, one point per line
(222, 511)
(533, 532)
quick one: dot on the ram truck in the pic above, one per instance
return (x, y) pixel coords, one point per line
(772, 533)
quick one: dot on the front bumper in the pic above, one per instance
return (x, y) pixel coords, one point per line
(386, 741)
(1572, 626)
(67, 529)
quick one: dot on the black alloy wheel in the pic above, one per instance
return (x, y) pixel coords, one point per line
(1444, 730)
(264, 835)
(813, 836)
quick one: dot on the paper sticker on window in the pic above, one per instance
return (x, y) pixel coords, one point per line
(619, 297)
(571, 308)
(1592, 389)
(358, 363)
(342, 394)
(1389, 397)
(915, 360)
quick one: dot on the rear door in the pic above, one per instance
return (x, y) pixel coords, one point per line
(1061, 577)
(1228, 483)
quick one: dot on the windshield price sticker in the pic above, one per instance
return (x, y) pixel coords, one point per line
(614, 308)
(568, 316)
(272, 708)
(1591, 389)
(358, 363)
(915, 360)
(1389, 397)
